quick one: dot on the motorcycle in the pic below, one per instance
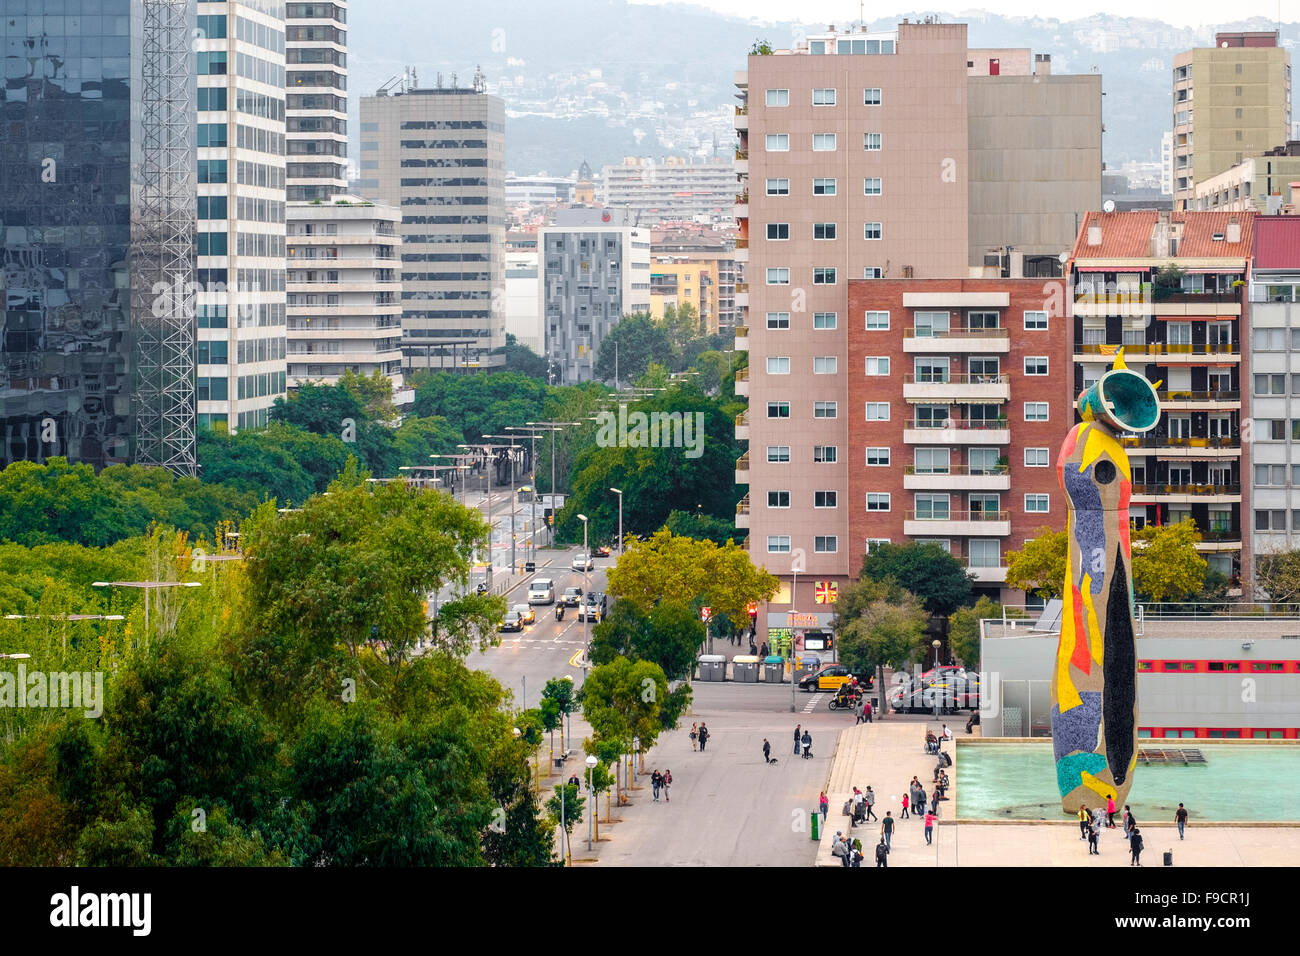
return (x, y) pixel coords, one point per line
(559, 612)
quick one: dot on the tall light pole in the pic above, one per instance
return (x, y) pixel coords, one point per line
(591, 800)
(934, 684)
(586, 585)
(620, 520)
(513, 496)
(63, 617)
(532, 479)
(148, 587)
(554, 427)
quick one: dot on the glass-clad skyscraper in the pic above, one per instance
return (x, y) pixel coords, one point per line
(97, 232)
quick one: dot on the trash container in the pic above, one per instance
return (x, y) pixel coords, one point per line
(530, 567)
(1169, 857)
(806, 664)
(816, 824)
(774, 669)
(713, 667)
(744, 669)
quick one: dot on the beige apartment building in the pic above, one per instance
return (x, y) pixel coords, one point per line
(1261, 183)
(439, 156)
(1231, 100)
(678, 284)
(878, 155)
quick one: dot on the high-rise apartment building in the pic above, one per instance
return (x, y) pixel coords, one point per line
(1230, 100)
(343, 302)
(316, 100)
(669, 188)
(439, 156)
(883, 155)
(1259, 183)
(593, 270)
(679, 284)
(96, 217)
(240, 51)
(1185, 331)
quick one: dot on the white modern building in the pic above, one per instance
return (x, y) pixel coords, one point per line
(1167, 163)
(344, 298)
(523, 304)
(670, 188)
(538, 190)
(240, 57)
(316, 99)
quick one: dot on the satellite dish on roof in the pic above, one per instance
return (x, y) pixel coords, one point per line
(1108, 206)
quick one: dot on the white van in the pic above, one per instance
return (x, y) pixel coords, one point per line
(541, 591)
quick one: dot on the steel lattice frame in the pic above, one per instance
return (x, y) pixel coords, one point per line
(163, 237)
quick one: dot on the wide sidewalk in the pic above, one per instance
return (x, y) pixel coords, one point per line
(886, 754)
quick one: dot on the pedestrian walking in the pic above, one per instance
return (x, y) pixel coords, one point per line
(859, 803)
(825, 805)
(919, 801)
(1110, 811)
(667, 782)
(906, 801)
(929, 827)
(862, 713)
(868, 709)
(656, 781)
(807, 745)
(1180, 817)
(704, 736)
(763, 651)
(855, 855)
(1129, 821)
(695, 733)
(882, 853)
(1093, 833)
(1135, 846)
(767, 751)
(871, 804)
(887, 829)
(798, 734)
(1085, 818)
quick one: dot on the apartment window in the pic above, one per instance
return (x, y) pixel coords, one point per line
(778, 454)
(1036, 457)
(778, 365)
(778, 98)
(931, 416)
(778, 409)
(823, 276)
(871, 186)
(1180, 333)
(871, 230)
(1036, 365)
(1273, 340)
(823, 230)
(778, 321)
(823, 142)
(872, 272)
(932, 461)
(779, 276)
(823, 187)
(825, 454)
(823, 98)
(1270, 429)
(1035, 321)
(1180, 426)
(778, 142)
(874, 543)
(778, 544)
(778, 187)
(824, 320)
(931, 324)
(824, 499)
(1036, 504)
(932, 507)
(877, 364)
(778, 499)
(877, 457)
(1270, 520)
(825, 409)
(984, 553)
(1035, 411)
(824, 364)
(1094, 337)
(877, 411)
(877, 321)
(778, 231)
(871, 141)
(984, 461)
(930, 370)
(877, 501)
(871, 96)
(1270, 384)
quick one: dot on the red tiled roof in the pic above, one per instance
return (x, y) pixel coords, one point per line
(1127, 235)
(1277, 242)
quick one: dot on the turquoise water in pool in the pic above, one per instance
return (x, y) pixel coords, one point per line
(1236, 783)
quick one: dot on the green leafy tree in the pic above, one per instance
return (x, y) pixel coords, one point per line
(964, 629)
(1277, 574)
(878, 624)
(939, 580)
(701, 527)
(1039, 567)
(566, 807)
(522, 359)
(621, 700)
(1166, 564)
(639, 340)
(560, 690)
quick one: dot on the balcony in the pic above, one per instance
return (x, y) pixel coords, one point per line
(1149, 301)
(741, 119)
(1186, 494)
(1220, 539)
(1160, 353)
(742, 469)
(742, 382)
(742, 331)
(742, 512)
(957, 340)
(957, 388)
(979, 524)
(957, 478)
(987, 574)
(742, 301)
(742, 162)
(1163, 447)
(742, 426)
(956, 432)
(1218, 399)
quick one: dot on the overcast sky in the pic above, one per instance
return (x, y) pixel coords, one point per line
(1183, 13)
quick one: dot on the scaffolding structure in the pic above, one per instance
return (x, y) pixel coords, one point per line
(163, 245)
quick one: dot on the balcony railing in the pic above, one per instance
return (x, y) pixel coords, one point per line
(742, 506)
(1187, 489)
(742, 286)
(1220, 534)
(1159, 348)
(742, 243)
(742, 331)
(958, 470)
(742, 154)
(924, 379)
(1211, 396)
(742, 374)
(955, 423)
(1162, 441)
(1149, 293)
(742, 110)
(914, 333)
(742, 463)
(742, 419)
(742, 198)
(960, 516)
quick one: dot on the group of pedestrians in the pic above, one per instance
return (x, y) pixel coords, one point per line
(849, 850)
(1091, 823)
(699, 736)
(915, 802)
(801, 739)
(661, 781)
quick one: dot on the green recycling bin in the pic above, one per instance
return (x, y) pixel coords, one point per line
(816, 824)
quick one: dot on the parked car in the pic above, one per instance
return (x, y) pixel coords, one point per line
(572, 597)
(511, 622)
(541, 591)
(582, 562)
(592, 607)
(830, 678)
(526, 613)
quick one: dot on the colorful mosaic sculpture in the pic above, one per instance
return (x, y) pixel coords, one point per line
(1094, 681)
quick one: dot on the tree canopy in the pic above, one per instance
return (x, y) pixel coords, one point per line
(939, 580)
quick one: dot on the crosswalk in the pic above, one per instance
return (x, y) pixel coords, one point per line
(539, 642)
(813, 701)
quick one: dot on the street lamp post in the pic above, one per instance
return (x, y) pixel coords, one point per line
(934, 684)
(586, 575)
(553, 427)
(591, 796)
(15, 657)
(620, 520)
(64, 617)
(148, 587)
